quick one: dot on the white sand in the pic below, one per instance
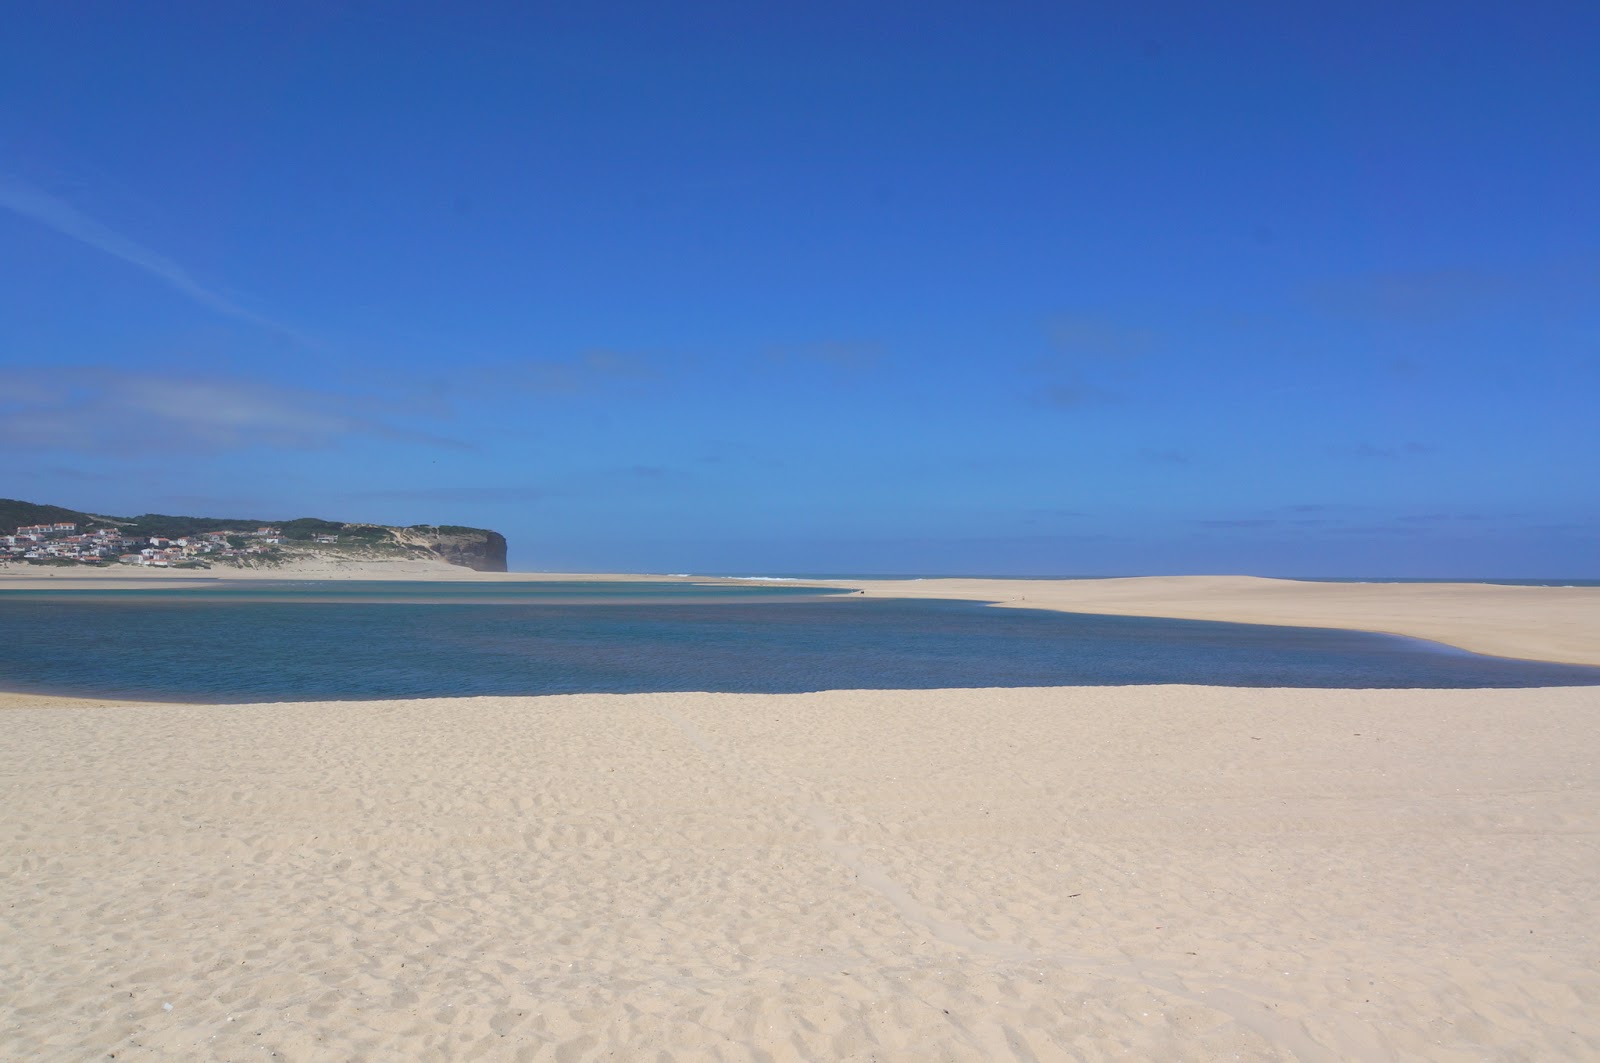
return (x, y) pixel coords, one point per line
(1541, 623)
(1129, 873)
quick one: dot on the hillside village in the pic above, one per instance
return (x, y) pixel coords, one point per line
(63, 543)
(55, 535)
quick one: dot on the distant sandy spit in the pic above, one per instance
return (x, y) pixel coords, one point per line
(1173, 873)
(1537, 623)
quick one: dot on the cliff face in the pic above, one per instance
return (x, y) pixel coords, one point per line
(477, 549)
(483, 551)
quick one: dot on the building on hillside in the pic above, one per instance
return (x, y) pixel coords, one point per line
(47, 531)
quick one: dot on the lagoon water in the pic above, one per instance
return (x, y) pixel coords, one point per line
(329, 640)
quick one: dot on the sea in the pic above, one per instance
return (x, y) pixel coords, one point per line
(335, 640)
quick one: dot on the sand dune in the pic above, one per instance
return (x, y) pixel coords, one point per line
(1129, 873)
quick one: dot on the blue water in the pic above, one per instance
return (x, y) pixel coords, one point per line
(551, 592)
(331, 640)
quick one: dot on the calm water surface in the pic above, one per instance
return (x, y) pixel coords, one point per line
(331, 640)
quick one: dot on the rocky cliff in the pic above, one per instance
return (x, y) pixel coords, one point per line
(476, 548)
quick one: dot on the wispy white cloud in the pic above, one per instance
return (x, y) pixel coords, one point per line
(113, 411)
(47, 210)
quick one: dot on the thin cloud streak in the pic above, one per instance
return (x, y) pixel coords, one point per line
(107, 411)
(45, 209)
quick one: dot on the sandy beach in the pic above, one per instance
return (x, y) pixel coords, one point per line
(1536, 623)
(1030, 874)
(1127, 873)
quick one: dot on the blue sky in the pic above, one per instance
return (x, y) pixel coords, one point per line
(854, 288)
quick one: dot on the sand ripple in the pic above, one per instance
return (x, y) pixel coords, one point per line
(1137, 873)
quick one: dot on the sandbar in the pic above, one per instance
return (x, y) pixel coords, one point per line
(1534, 623)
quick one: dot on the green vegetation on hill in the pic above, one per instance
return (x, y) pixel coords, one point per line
(474, 548)
(172, 527)
(304, 529)
(15, 513)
